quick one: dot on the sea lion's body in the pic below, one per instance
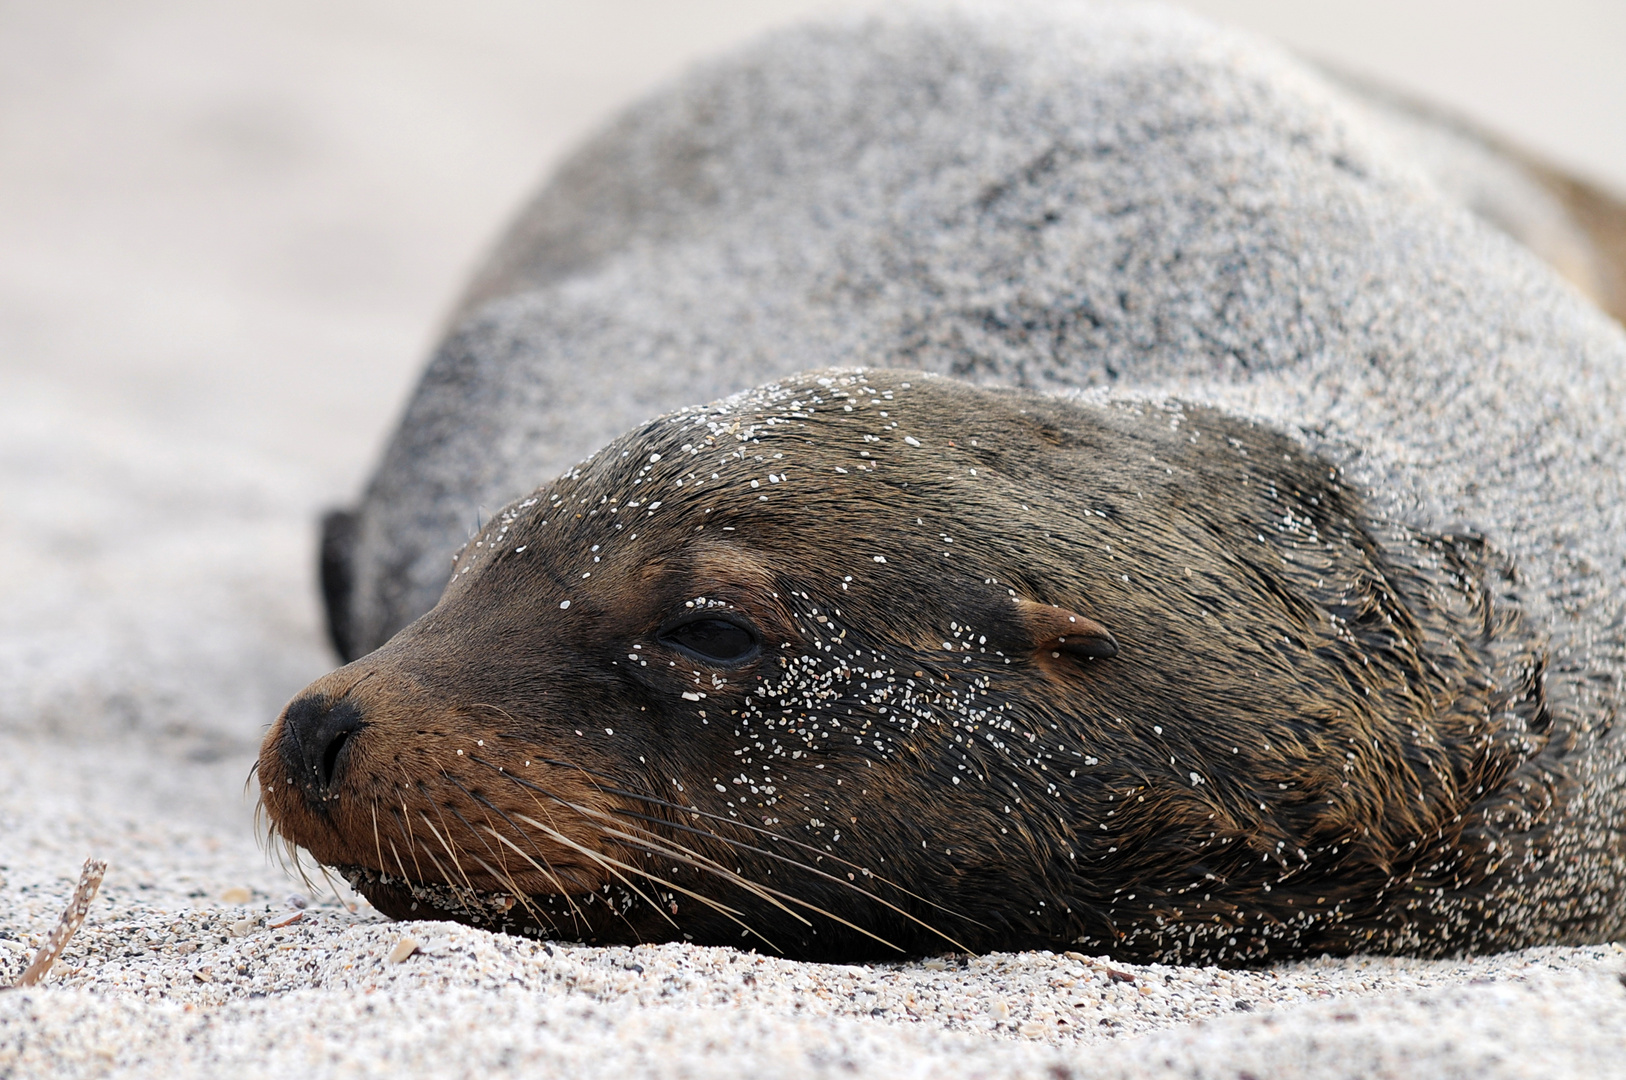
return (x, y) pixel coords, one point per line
(1127, 201)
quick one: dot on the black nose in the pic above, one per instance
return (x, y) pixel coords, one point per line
(316, 733)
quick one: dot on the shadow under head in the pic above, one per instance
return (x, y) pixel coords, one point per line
(868, 663)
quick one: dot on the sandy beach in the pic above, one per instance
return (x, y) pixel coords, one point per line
(227, 240)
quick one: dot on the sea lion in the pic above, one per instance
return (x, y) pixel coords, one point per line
(1219, 241)
(880, 661)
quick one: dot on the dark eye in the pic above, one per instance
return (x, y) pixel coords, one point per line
(714, 639)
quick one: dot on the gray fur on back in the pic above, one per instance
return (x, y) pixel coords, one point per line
(1129, 201)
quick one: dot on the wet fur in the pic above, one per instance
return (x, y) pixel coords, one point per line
(1322, 731)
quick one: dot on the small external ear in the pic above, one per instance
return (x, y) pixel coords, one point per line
(1057, 630)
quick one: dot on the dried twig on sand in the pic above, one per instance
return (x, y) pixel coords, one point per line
(90, 879)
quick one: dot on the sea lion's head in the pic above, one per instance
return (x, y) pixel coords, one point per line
(868, 662)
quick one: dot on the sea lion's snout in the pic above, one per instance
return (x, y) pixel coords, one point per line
(431, 803)
(318, 763)
(316, 735)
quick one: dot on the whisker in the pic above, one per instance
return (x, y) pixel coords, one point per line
(630, 886)
(792, 841)
(377, 844)
(446, 845)
(406, 825)
(504, 875)
(404, 875)
(332, 886)
(576, 913)
(259, 801)
(816, 872)
(700, 861)
(404, 829)
(776, 856)
(559, 888)
(469, 825)
(661, 911)
(758, 887)
(513, 886)
(656, 800)
(288, 857)
(712, 865)
(732, 914)
(761, 891)
(471, 901)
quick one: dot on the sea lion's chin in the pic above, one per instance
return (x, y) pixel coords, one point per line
(597, 916)
(408, 900)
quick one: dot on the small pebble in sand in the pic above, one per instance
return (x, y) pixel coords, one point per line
(403, 949)
(236, 895)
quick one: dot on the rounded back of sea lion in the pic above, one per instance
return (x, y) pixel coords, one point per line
(1571, 224)
(798, 670)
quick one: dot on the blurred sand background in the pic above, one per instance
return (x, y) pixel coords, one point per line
(229, 234)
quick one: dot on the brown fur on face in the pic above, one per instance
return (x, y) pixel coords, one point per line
(1285, 723)
(422, 798)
